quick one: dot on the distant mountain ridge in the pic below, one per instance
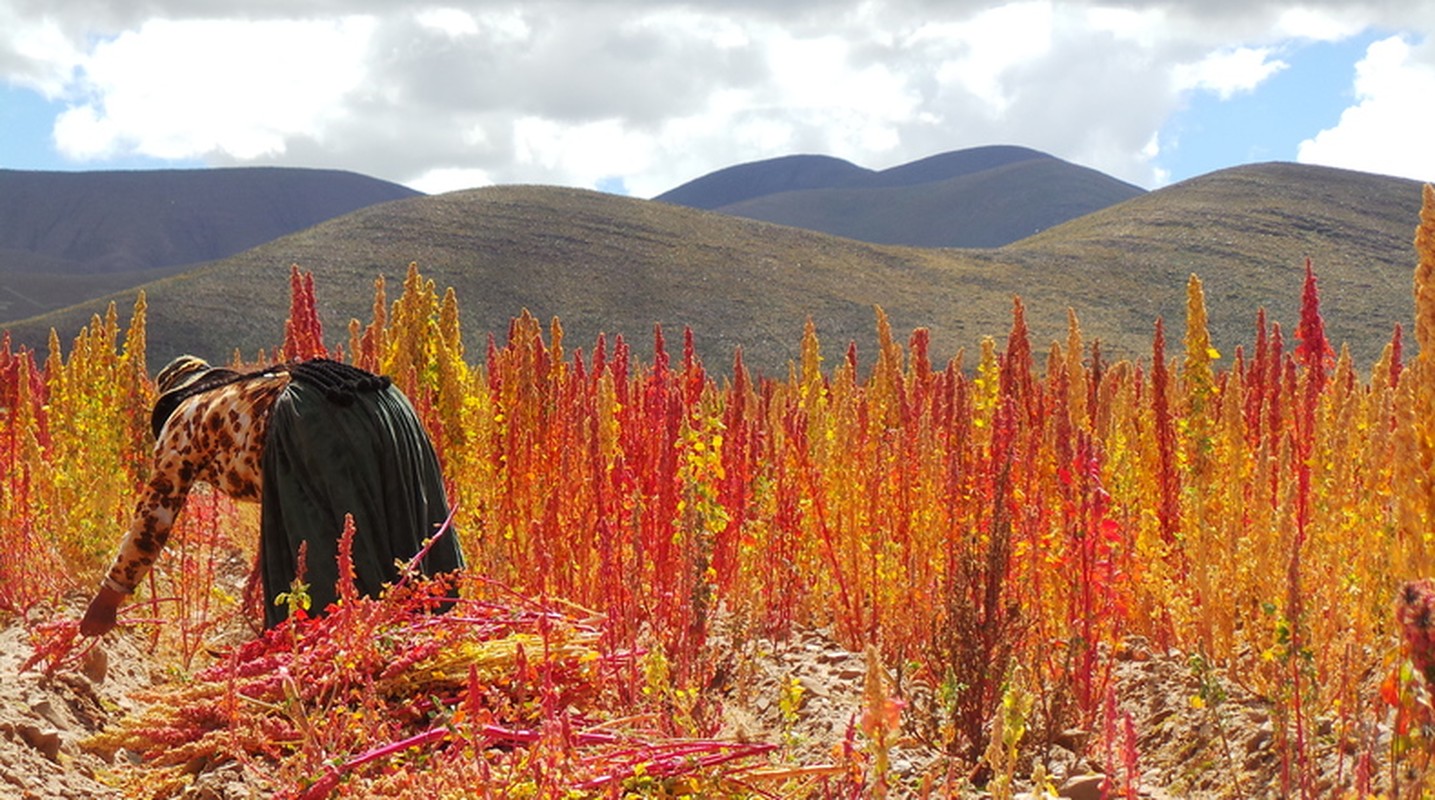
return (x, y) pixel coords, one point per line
(977, 197)
(608, 264)
(758, 178)
(123, 221)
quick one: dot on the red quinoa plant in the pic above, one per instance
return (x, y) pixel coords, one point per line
(1260, 511)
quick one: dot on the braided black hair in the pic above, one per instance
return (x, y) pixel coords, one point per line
(339, 382)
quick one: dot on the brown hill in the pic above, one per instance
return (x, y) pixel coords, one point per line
(1247, 232)
(70, 236)
(601, 263)
(99, 222)
(611, 264)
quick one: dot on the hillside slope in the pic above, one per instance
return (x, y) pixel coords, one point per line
(741, 182)
(953, 164)
(988, 208)
(1247, 232)
(601, 263)
(100, 222)
(759, 178)
(977, 197)
(610, 264)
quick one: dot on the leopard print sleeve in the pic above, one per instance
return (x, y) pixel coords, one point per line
(215, 438)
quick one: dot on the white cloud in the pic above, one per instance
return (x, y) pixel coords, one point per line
(981, 51)
(1321, 24)
(451, 93)
(1150, 151)
(1388, 129)
(40, 56)
(450, 179)
(1228, 72)
(453, 22)
(722, 31)
(843, 108)
(589, 151)
(1146, 27)
(186, 89)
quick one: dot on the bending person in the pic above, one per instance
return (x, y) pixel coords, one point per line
(311, 441)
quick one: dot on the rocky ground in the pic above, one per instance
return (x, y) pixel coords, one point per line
(1185, 747)
(43, 718)
(803, 693)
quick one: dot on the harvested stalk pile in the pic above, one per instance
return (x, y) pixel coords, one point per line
(389, 698)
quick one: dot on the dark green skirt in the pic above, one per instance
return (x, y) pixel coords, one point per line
(370, 458)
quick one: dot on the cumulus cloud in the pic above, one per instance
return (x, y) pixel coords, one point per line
(1229, 72)
(38, 55)
(450, 179)
(650, 94)
(186, 89)
(1388, 129)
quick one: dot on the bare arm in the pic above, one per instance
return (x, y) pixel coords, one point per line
(216, 437)
(176, 464)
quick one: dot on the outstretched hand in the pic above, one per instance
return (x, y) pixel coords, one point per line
(99, 618)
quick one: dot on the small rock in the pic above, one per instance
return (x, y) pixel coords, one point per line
(1073, 739)
(1258, 759)
(46, 740)
(850, 672)
(1082, 787)
(96, 664)
(1261, 739)
(45, 710)
(1062, 763)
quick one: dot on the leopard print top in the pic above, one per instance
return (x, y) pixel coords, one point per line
(217, 438)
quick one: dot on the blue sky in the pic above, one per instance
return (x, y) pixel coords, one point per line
(1268, 123)
(639, 96)
(27, 119)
